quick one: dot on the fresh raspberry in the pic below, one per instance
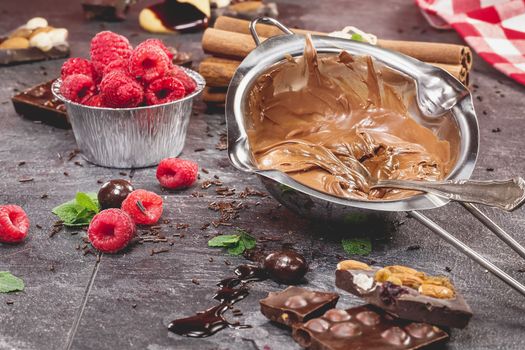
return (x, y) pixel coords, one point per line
(164, 90)
(111, 230)
(117, 65)
(119, 90)
(148, 63)
(78, 88)
(143, 206)
(106, 47)
(94, 101)
(176, 173)
(159, 43)
(189, 84)
(14, 224)
(77, 65)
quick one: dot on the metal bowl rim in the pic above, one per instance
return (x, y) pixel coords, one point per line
(421, 201)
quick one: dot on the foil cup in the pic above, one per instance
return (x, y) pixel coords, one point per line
(131, 137)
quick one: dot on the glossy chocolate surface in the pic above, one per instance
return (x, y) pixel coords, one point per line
(286, 266)
(364, 327)
(296, 305)
(113, 193)
(38, 103)
(180, 16)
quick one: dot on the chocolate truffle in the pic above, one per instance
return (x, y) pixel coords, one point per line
(113, 193)
(286, 266)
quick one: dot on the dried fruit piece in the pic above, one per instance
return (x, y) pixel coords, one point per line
(440, 292)
(353, 265)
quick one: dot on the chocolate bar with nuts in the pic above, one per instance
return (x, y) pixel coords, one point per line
(296, 305)
(38, 103)
(364, 327)
(405, 293)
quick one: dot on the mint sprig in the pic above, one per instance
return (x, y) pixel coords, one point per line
(357, 246)
(10, 283)
(79, 211)
(235, 244)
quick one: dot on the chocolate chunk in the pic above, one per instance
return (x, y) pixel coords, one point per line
(297, 305)
(420, 297)
(31, 54)
(364, 327)
(38, 103)
(106, 10)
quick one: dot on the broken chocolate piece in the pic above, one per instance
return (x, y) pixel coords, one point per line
(364, 327)
(106, 10)
(405, 293)
(31, 54)
(296, 305)
(38, 103)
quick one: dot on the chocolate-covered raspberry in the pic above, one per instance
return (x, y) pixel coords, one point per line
(113, 193)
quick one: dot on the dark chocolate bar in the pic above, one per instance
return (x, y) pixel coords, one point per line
(364, 327)
(31, 54)
(38, 103)
(296, 305)
(405, 293)
(106, 10)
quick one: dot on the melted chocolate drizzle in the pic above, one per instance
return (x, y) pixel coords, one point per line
(231, 290)
(182, 17)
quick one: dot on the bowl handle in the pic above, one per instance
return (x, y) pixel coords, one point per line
(268, 20)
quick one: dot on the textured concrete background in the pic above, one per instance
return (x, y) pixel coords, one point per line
(126, 300)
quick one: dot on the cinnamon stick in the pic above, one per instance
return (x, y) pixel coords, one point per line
(219, 71)
(214, 95)
(424, 51)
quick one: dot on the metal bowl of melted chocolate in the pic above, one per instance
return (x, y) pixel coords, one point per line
(321, 119)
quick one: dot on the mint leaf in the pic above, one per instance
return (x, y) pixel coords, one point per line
(236, 244)
(67, 212)
(79, 211)
(10, 283)
(357, 37)
(357, 246)
(237, 249)
(248, 241)
(224, 241)
(87, 202)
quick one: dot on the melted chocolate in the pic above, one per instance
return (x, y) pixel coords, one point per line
(179, 16)
(338, 123)
(231, 290)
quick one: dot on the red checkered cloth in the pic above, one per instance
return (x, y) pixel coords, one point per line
(495, 29)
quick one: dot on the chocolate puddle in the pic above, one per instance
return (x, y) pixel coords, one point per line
(337, 123)
(231, 290)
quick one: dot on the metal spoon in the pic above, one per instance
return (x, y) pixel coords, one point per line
(503, 194)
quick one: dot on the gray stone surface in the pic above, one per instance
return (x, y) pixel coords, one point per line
(126, 300)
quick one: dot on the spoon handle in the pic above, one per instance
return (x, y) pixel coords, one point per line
(503, 194)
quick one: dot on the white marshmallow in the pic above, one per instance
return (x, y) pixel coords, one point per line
(42, 41)
(58, 36)
(36, 22)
